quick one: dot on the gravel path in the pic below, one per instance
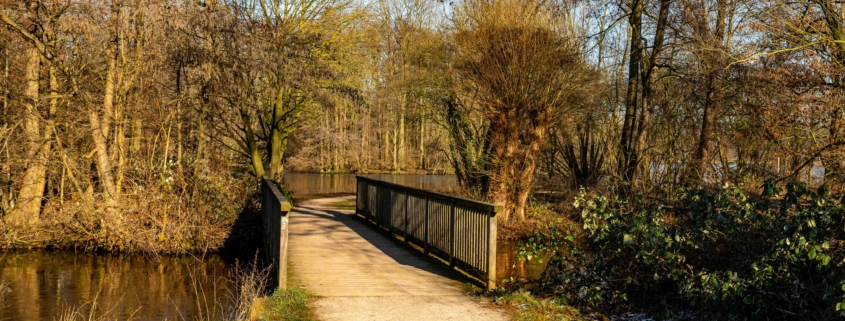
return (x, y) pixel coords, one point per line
(359, 273)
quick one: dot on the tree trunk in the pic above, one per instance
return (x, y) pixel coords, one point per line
(103, 164)
(629, 153)
(278, 144)
(254, 154)
(6, 183)
(137, 133)
(702, 152)
(422, 144)
(395, 149)
(398, 165)
(100, 128)
(32, 118)
(701, 158)
(648, 71)
(32, 189)
(514, 161)
(386, 146)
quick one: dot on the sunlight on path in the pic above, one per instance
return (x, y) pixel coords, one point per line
(360, 274)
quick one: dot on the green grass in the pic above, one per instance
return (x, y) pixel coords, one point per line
(345, 205)
(289, 305)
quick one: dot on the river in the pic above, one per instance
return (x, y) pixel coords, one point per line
(318, 183)
(46, 284)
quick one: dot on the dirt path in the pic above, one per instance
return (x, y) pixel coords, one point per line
(361, 274)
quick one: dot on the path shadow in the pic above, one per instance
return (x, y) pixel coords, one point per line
(401, 252)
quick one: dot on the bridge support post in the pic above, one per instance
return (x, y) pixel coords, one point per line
(491, 252)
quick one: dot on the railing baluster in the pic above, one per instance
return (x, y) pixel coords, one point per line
(405, 228)
(452, 235)
(425, 226)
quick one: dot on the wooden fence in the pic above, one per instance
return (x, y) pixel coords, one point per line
(459, 231)
(275, 208)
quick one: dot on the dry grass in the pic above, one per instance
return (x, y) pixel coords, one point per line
(4, 292)
(250, 284)
(90, 311)
(526, 307)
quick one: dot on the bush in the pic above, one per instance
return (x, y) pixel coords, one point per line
(722, 253)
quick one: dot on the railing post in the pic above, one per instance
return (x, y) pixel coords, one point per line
(283, 247)
(275, 209)
(491, 252)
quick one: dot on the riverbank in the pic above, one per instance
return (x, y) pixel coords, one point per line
(204, 216)
(378, 171)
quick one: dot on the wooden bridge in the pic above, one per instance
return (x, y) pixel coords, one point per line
(375, 263)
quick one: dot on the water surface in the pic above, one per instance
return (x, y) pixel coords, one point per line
(137, 287)
(318, 183)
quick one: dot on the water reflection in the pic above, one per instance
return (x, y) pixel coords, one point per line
(317, 183)
(176, 288)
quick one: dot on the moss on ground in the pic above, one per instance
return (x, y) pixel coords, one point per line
(344, 205)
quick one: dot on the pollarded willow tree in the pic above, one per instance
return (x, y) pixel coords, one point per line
(519, 63)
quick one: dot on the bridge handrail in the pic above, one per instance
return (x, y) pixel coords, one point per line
(275, 208)
(492, 209)
(458, 230)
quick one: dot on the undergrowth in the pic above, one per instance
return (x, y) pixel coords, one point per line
(528, 307)
(179, 209)
(699, 254)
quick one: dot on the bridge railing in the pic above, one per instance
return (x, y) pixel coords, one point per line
(275, 208)
(459, 231)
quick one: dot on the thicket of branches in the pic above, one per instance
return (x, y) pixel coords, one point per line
(112, 106)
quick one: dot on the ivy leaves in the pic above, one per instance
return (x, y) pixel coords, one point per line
(720, 251)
